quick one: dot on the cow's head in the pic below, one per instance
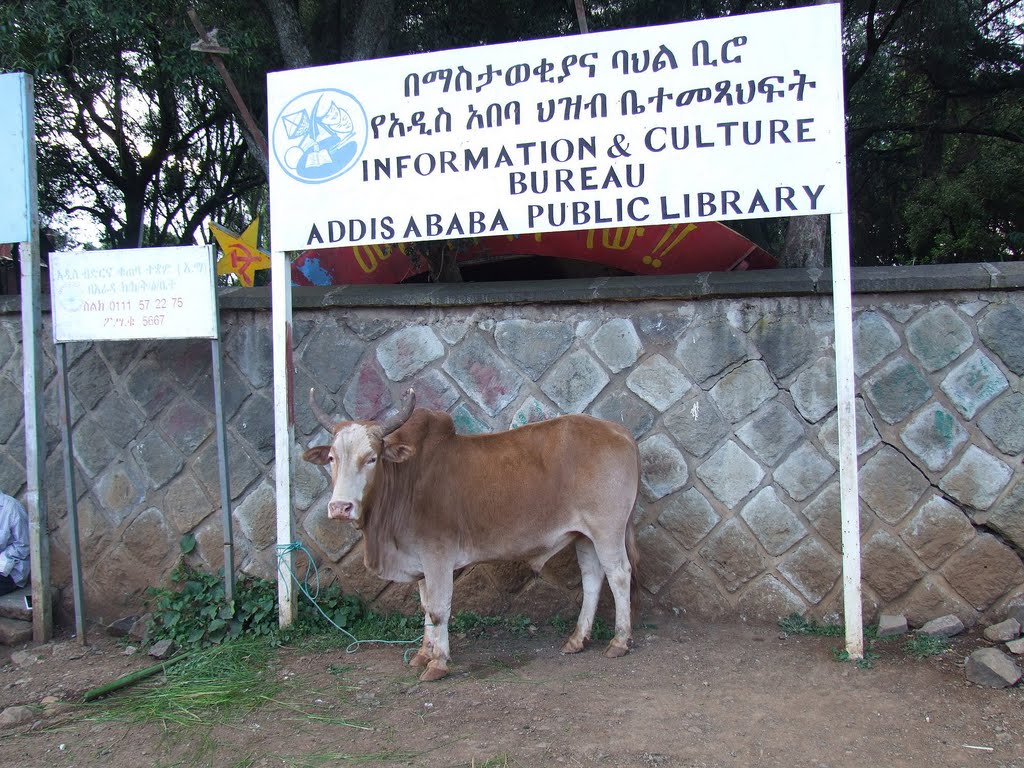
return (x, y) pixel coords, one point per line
(355, 456)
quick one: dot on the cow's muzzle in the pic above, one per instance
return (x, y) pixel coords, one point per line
(341, 510)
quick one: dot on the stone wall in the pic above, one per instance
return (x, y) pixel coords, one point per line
(726, 380)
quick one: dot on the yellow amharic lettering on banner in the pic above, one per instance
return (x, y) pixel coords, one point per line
(368, 257)
(242, 256)
(668, 241)
(616, 239)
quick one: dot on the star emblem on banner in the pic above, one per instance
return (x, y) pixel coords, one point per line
(242, 255)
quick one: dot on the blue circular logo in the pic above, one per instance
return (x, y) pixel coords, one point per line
(319, 135)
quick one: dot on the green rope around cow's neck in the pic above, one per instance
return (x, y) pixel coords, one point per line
(311, 595)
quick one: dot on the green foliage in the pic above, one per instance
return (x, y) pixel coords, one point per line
(468, 621)
(193, 613)
(602, 630)
(865, 662)
(561, 625)
(344, 610)
(135, 136)
(923, 646)
(795, 624)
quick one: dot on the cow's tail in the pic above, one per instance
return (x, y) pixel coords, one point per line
(633, 553)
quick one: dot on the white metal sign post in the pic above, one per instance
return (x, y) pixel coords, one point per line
(732, 118)
(19, 223)
(152, 293)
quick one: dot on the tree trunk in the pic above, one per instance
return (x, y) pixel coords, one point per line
(805, 242)
(290, 35)
(370, 33)
(442, 264)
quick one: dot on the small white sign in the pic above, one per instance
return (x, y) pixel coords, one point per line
(16, 133)
(732, 118)
(145, 293)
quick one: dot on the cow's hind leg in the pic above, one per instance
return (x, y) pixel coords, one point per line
(437, 607)
(593, 576)
(616, 566)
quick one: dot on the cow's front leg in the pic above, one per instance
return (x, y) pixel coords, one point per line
(422, 657)
(437, 608)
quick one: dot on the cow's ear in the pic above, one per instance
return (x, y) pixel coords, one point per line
(318, 454)
(398, 452)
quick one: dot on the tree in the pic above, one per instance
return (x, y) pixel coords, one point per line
(129, 129)
(136, 133)
(935, 147)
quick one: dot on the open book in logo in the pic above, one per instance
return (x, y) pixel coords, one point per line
(320, 135)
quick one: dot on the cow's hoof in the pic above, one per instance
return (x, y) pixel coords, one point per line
(615, 651)
(430, 674)
(421, 659)
(574, 645)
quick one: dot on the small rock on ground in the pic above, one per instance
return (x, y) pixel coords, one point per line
(944, 626)
(25, 658)
(991, 667)
(15, 631)
(889, 626)
(17, 715)
(1003, 632)
(122, 626)
(162, 649)
(1016, 612)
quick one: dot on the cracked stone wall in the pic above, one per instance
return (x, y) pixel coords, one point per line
(731, 397)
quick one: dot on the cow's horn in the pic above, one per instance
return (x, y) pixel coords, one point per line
(408, 403)
(322, 417)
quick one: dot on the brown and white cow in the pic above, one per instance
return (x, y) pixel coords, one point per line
(430, 501)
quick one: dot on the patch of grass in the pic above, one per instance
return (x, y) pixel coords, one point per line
(518, 624)
(601, 631)
(467, 621)
(305, 716)
(218, 684)
(923, 646)
(561, 625)
(795, 624)
(867, 662)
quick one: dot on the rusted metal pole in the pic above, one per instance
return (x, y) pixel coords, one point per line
(208, 45)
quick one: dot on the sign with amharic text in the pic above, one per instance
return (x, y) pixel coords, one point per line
(732, 118)
(144, 293)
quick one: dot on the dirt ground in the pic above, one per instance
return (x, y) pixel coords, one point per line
(688, 694)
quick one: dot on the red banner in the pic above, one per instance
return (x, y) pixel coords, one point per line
(666, 249)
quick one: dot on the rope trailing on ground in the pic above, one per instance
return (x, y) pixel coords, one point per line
(311, 595)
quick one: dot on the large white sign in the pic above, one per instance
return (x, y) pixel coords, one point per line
(16, 133)
(733, 118)
(145, 293)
